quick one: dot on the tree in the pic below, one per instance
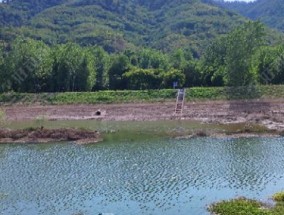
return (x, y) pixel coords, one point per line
(269, 64)
(142, 79)
(2, 73)
(120, 65)
(101, 65)
(213, 65)
(241, 45)
(178, 60)
(151, 59)
(173, 76)
(72, 69)
(229, 59)
(192, 72)
(28, 65)
(85, 74)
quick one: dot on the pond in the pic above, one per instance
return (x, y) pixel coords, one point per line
(151, 176)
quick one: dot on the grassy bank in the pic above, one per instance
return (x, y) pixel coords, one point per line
(126, 96)
(243, 206)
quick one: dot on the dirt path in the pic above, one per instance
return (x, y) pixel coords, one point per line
(266, 112)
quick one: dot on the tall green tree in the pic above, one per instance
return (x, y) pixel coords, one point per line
(178, 60)
(213, 64)
(72, 69)
(28, 65)
(279, 65)
(2, 73)
(193, 75)
(120, 65)
(85, 74)
(101, 66)
(241, 45)
(229, 59)
(152, 59)
(270, 65)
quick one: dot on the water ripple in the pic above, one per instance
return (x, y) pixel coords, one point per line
(152, 177)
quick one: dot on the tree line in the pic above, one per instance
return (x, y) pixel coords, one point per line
(31, 66)
(242, 57)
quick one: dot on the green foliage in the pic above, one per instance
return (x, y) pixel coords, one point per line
(2, 73)
(141, 79)
(72, 69)
(213, 63)
(101, 66)
(269, 64)
(120, 65)
(242, 43)
(198, 93)
(239, 206)
(173, 76)
(159, 41)
(28, 62)
(178, 59)
(193, 73)
(151, 59)
(243, 206)
(118, 25)
(122, 96)
(279, 197)
(230, 59)
(237, 59)
(268, 12)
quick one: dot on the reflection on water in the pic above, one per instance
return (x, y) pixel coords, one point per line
(155, 176)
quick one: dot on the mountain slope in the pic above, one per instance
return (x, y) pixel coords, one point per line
(270, 12)
(118, 24)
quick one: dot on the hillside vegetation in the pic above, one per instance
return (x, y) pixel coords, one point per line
(270, 12)
(91, 45)
(243, 57)
(118, 24)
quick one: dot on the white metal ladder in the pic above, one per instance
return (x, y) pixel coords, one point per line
(180, 102)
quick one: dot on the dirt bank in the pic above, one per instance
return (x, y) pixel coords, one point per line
(266, 112)
(41, 135)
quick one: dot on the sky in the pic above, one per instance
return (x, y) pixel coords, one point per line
(241, 0)
(225, 0)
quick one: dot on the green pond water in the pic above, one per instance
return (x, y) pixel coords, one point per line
(137, 174)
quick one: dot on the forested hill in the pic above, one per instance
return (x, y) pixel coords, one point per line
(118, 24)
(271, 12)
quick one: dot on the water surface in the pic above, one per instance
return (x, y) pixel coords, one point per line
(151, 176)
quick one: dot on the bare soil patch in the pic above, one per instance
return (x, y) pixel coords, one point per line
(265, 112)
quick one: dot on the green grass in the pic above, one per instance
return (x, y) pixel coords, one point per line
(239, 206)
(129, 96)
(243, 206)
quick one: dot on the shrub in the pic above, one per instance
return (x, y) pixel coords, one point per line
(240, 206)
(278, 197)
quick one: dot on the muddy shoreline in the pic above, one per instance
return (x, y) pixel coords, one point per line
(269, 113)
(81, 136)
(42, 135)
